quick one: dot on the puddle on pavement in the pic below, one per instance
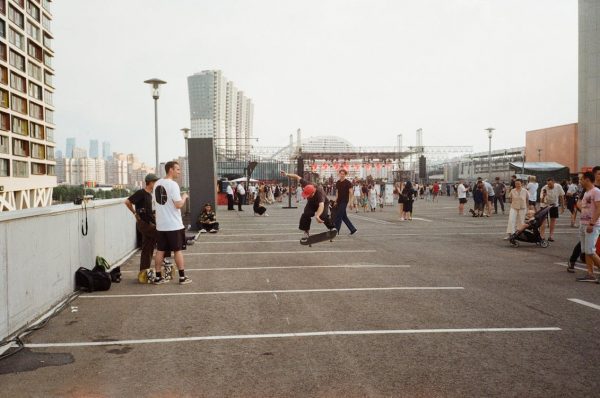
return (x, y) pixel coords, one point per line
(27, 361)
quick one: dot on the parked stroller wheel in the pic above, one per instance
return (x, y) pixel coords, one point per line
(544, 243)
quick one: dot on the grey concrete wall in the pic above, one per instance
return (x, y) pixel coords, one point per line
(589, 83)
(40, 250)
(202, 175)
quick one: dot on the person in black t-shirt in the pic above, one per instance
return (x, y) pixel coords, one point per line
(317, 205)
(145, 221)
(344, 192)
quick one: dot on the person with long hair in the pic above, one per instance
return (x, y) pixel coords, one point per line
(408, 192)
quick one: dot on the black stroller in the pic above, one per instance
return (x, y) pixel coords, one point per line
(531, 234)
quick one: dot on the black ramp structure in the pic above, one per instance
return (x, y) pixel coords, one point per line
(202, 176)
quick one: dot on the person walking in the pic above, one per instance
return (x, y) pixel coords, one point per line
(241, 195)
(552, 195)
(572, 198)
(461, 192)
(145, 223)
(589, 226)
(168, 201)
(229, 197)
(518, 199)
(499, 195)
(356, 197)
(372, 198)
(532, 188)
(344, 193)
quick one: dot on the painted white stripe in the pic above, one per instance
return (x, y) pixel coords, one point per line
(288, 335)
(586, 303)
(422, 219)
(579, 266)
(216, 242)
(340, 290)
(420, 233)
(290, 267)
(283, 252)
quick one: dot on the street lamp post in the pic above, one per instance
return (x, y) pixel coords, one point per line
(186, 136)
(490, 130)
(155, 83)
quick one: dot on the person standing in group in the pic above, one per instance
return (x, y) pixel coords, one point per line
(145, 222)
(572, 198)
(171, 233)
(499, 194)
(461, 192)
(241, 195)
(356, 199)
(344, 196)
(489, 197)
(532, 188)
(229, 197)
(552, 195)
(372, 198)
(409, 194)
(589, 226)
(436, 190)
(518, 199)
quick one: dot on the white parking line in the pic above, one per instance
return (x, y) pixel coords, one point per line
(352, 289)
(283, 252)
(288, 335)
(586, 303)
(578, 265)
(290, 267)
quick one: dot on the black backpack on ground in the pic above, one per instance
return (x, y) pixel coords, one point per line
(93, 280)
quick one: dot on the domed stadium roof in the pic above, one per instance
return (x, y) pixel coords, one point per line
(326, 143)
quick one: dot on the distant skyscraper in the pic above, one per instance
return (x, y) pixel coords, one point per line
(220, 111)
(70, 145)
(59, 155)
(106, 154)
(79, 153)
(93, 149)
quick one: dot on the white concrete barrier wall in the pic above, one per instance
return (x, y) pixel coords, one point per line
(40, 250)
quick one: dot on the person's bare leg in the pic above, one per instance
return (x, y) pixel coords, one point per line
(543, 230)
(552, 226)
(158, 260)
(179, 260)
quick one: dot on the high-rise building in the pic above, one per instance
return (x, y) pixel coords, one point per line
(93, 149)
(71, 142)
(27, 166)
(218, 110)
(85, 170)
(117, 172)
(589, 84)
(106, 154)
(79, 153)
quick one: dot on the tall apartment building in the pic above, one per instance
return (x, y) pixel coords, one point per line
(117, 172)
(71, 142)
(219, 110)
(79, 153)
(106, 154)
(94, 153)
(85, 170)
(27, 164)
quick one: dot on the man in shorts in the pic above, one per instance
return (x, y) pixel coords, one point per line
(171, 233)
(552, 195)
(589, 226)
(461, 192)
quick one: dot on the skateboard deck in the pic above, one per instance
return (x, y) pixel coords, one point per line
(322, 237)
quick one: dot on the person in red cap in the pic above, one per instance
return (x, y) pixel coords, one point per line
(317, 205)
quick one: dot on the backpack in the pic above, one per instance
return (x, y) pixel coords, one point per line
(92, 280)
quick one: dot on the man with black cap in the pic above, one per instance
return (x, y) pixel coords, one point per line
(317, 205)
(145, 224)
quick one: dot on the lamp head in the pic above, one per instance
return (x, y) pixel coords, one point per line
(155, 85)
(490, 130)
(186, 133)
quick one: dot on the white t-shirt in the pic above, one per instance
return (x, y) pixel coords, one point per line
(168, 217)
(462, 191)
(241, 190)
(489, 188)
(229, 190)
(357, 191)
(532, 188)
(552, 195)
(572, 189)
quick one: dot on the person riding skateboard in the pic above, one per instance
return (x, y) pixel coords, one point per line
(317, 205)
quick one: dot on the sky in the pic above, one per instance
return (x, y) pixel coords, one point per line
(364, 70)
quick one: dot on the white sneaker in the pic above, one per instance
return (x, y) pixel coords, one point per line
(212, 231)
(202, 231)
(507, 237)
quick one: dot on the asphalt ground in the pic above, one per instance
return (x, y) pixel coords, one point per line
(439, 306)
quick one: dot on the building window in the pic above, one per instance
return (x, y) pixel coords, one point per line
(47, 42)
(46, 5)
(2, 7)
(50, 152)
(37, 131)
(20, 169)
(38, 151)
(49, 116)
(48, 79)
(33, 10)
(4, 167)
(4, 145)
(35, 91)
(17, 60)
(34, 71)
(20, 2)
(46, 23)
(3, 51)
(4, 98)
(18, 82)
(18, 104)
(36, 111)
(34, 50)
(49, 134)
(48, 60)
(20, 126)
(16, 16)
(16, 38)
(2, 26)
(20, 147)
(51, 170)
(4, 121)
(33, 31)
(3, 75)
(49, 97)
(38, 169)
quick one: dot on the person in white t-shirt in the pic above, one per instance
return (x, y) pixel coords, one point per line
(532, 188)
(229, 197)
(241, 195)
(168, 201)
(552, 195)
(461, 192)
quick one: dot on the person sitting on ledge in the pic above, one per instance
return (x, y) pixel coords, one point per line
(207, 222)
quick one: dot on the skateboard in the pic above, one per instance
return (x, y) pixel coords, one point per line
(322, 237)
(147, 276)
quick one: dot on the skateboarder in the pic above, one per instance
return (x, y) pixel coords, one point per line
(317, 205)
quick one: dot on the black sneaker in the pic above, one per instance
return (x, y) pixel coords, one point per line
(571, 267)
(353, 232)
(587, 278)
(184, 280)
(159, 281)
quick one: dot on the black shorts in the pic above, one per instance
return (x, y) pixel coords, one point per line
(171, 241)
(553, 212)
(462, 200)
(491, 199)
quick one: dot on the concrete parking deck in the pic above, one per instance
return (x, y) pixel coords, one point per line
(439, 306)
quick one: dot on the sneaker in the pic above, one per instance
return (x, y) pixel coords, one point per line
(587, 278)
(571, 267)
(550, 239)
(184, 280)
(353, 232)
(304, 239)
(507, 237)
(159, 281)
(213, 231)
(149, 275)
(202, 231)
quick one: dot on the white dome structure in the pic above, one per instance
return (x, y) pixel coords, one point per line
(326, 143)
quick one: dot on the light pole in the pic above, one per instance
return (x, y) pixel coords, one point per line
(186, 136)
(490, 130)
(156, 94)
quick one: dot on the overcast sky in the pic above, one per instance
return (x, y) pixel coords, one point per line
(365, 70)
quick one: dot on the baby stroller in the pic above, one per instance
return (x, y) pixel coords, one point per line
(531, 234)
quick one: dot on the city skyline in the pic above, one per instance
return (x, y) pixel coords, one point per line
(452, 68)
